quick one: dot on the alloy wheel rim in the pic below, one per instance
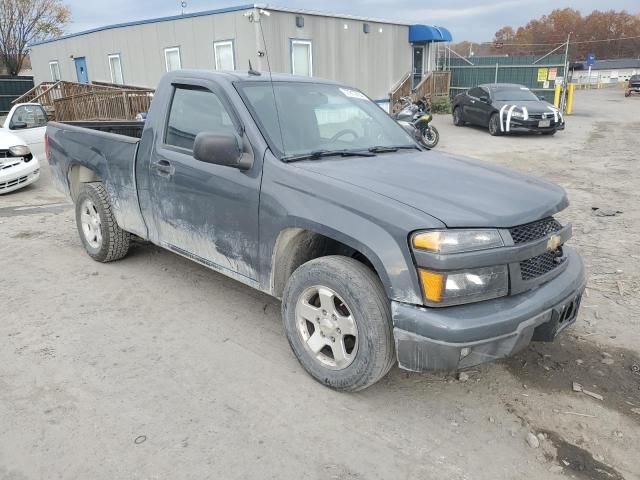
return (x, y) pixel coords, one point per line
(91, 225)
(492, 125)
(326, 327)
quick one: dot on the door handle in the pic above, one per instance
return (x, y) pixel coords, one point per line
(163, 168)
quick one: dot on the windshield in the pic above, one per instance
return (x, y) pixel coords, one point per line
(515, 93)
(315, 117)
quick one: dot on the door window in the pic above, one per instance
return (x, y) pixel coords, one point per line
(223, 53)
(195, 110)
(418, 64)
(32, 116)
(172, 59)
(115, 66)
(301, 58)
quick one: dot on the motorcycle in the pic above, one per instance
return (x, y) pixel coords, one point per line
(415, 118)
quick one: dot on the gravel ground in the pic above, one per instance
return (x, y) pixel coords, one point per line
(155, 367)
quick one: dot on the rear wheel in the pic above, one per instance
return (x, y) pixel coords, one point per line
(101, 236)
(457, 117)
(338, 322)
(494, 125)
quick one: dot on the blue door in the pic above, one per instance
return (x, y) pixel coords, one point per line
(81, 70)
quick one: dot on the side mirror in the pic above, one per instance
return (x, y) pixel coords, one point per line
(18, 125)
(220, 148)
(484, 99)
(542, 97)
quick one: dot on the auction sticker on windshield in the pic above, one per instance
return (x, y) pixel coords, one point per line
(353, 93)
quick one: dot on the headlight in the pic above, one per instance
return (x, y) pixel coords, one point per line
(455, 241)
(464, 286)
(19, 151)
(516, 114)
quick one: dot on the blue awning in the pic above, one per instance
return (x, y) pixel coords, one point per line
(428, 33)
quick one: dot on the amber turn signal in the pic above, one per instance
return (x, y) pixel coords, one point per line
(432, 285)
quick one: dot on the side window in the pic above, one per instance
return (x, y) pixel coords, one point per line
(55, 70)
(28, 116)
(301, 58)
(223, 53)
(476, 92)
(195, 110)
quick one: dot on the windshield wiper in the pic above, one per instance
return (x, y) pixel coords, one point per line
(327, 153)
(394, 148)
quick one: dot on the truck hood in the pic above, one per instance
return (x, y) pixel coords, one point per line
(457, 191)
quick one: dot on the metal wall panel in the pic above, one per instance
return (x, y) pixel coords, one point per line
(510, 69)
(372, 61)
(10, 89)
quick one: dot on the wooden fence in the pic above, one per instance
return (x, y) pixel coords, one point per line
(103, 105)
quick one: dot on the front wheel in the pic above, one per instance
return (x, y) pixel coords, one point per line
(429, 137)
(338, 322)
(457, 117)
(494, 125)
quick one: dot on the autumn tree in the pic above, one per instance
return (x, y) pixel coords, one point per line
(23, 22)
(587, 34)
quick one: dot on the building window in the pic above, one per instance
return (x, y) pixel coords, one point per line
(195, 110)
(301, 58)
(172, 59)
(55, 71)
(115, 66)
(223, 54)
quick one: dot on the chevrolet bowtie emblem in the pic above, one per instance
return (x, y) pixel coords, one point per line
(553, 242)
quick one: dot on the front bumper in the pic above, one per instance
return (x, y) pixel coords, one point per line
(531, 126)
(450, 338)
(16, 173)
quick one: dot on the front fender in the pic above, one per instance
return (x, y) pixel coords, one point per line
(376, 226)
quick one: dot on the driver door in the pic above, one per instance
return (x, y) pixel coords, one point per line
(201, 210)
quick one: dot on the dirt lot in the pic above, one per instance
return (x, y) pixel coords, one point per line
(155, 367)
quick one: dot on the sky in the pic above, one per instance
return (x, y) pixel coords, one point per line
(474, 20)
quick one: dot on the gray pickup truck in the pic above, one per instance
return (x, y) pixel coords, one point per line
(306, 190)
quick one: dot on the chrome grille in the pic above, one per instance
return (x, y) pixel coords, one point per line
(538, 266)
(534, 230)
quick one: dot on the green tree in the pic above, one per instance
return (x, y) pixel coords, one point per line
(23, 22)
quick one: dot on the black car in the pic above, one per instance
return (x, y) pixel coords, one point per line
(633, 86)
(505, 108)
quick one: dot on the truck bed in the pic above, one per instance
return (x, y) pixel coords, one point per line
(108, 149)
(126, 128)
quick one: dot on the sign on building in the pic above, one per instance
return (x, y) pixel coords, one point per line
(542, 74)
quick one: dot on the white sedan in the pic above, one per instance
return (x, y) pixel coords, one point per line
(21, 141)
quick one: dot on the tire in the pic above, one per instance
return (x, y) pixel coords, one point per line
(101, 236)
(494, 125)
(430, 142)
(354, 294)
(457, 117)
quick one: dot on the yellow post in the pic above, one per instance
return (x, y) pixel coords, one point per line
(570, 88)
(556, 95)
